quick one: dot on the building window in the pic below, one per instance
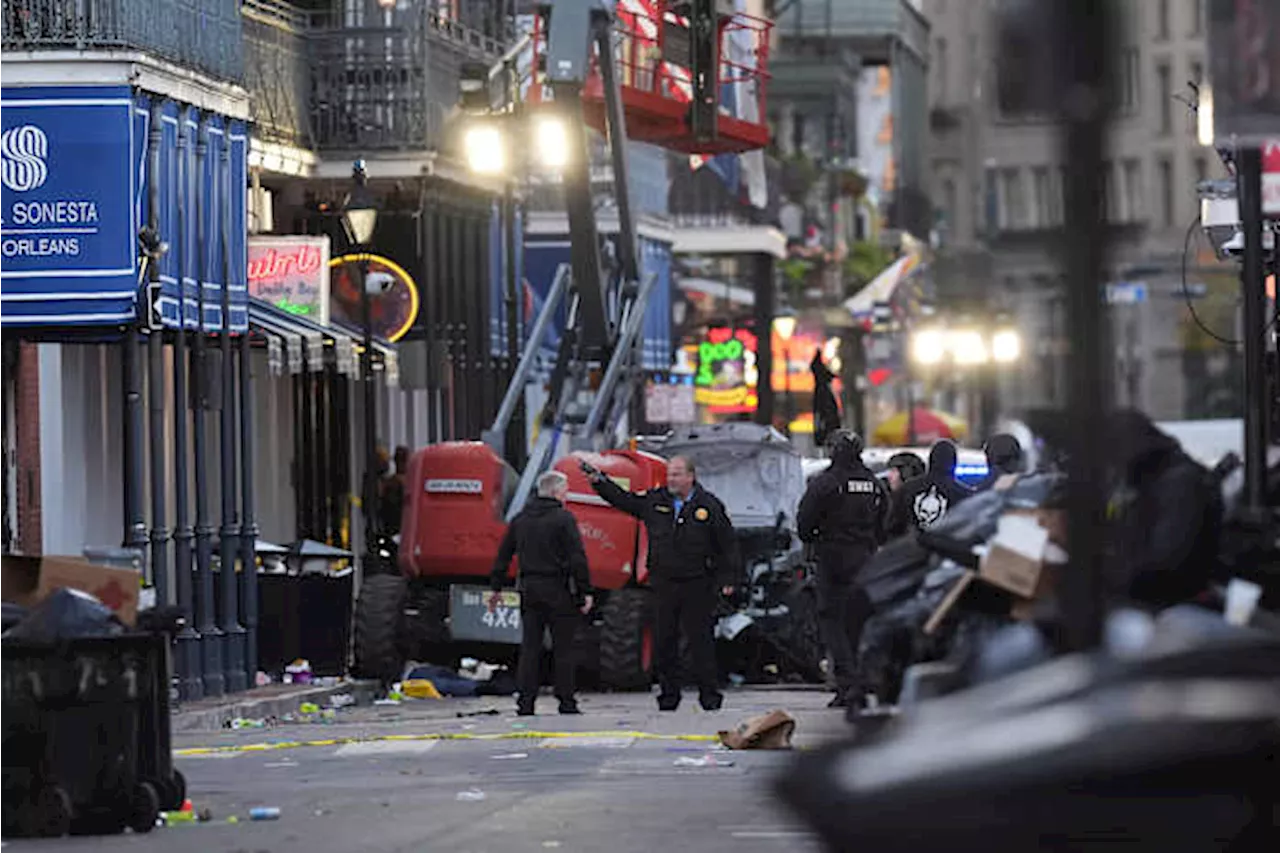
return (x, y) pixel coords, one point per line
(1013, 212)
(1162, 20)
(1107, 204)
(1164, 93)
(1131, 192)
(949, 204)
(940, 69)
(1166, 192)
(1131, 80)
(1042, 199)
(1197, 17)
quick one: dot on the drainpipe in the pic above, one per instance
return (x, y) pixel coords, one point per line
(135, 524)
(5, 529)
(155, 384)
(229, 534)
(210, 636)
(190, 685)
(248, 523)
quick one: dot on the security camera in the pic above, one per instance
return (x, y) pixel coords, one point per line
(379, 282)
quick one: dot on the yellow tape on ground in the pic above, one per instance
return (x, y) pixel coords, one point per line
(518, 735)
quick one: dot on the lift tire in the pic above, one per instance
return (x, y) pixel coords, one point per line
(626, 648)
(377, 627)
(425, 634)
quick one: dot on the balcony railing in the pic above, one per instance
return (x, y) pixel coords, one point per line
(275, 57)
(389, 87)
(204, 35)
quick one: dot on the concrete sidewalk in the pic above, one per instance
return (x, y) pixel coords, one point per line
(273, 700)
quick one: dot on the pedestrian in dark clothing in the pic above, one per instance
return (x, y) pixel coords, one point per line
(1166, 513)
(554, 584)
(843, 514)
(826, 409)
(1004, 456)
(693, 556)
(922, 502)
(903, 468)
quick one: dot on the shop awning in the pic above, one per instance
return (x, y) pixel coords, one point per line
(880, 289)
(305, 343)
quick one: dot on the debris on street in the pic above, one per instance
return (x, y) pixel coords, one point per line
(264, 813)
(707, 760)
(510, 756)
(768, 731)
(471, 795)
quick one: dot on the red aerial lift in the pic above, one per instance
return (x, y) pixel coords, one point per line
(657, 71)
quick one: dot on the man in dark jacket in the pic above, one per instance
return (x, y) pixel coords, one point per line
(842, 514)
(555, 588)
(922, 502)
(1166, 513)
(693, 555)
(1004, 456)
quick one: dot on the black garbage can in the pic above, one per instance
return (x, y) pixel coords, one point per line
(86, 738)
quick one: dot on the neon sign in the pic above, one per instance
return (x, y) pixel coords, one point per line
(726, 376)
(291, 273)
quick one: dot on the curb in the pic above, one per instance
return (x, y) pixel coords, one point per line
(216, 718)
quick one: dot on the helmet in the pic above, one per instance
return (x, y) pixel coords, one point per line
(845, 445)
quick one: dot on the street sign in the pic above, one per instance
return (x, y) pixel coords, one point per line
(1127, 293)
(1271, 178)
(1244, 69)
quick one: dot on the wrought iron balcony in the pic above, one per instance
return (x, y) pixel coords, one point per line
(203, 35)
(389, 87)
(276, 73)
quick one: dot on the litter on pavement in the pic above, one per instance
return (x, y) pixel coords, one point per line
(342, 700)
(510, 756)
(768, 731)
(264, 813)
(471, 795)
(703, 761)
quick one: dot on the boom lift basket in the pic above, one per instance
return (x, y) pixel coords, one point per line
(654, 44)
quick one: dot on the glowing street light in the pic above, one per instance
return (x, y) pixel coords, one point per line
(486, 153)
(1006, 346)
(553, 141)
(928, 347)
(968, 348)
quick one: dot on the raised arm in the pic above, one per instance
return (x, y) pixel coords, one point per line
(620, 498)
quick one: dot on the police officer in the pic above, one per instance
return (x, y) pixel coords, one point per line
(843, 514)
(693, 555)
(555, 588)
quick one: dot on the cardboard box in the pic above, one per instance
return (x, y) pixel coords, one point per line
(1016, 555)
(29, 580)
(1052, 520)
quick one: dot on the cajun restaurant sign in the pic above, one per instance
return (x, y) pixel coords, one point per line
(292, 273)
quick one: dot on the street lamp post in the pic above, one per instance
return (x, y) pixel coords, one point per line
(359, 219)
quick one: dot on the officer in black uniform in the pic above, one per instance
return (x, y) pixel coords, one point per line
(555, 588)
(693, 556)
(843, 514)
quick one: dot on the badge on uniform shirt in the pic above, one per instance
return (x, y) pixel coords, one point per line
(701, 514)
(861, 487)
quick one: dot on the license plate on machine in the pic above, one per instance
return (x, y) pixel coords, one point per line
(471, 619)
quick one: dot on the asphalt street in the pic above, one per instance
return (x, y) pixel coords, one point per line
(418, 777)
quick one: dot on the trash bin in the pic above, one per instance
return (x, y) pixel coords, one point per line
(86, 739)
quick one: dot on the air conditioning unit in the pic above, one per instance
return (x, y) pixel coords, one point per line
(261, 211)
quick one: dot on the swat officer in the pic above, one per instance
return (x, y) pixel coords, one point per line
(843, 514)
(693, 555)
